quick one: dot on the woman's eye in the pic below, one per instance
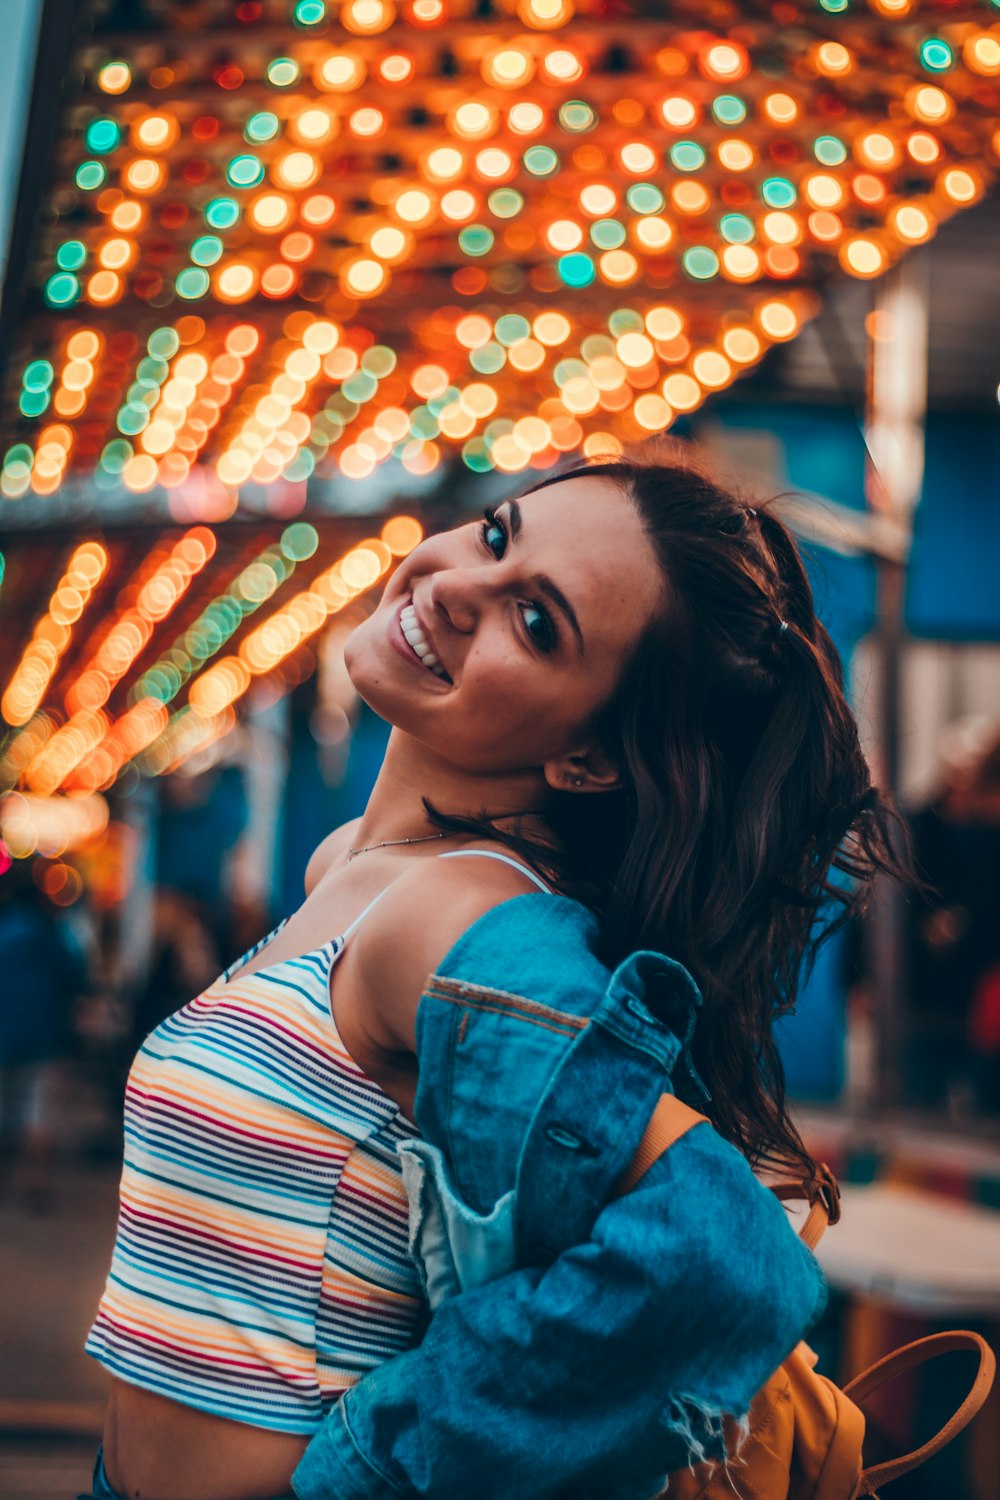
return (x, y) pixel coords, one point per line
(537, 621)
(491, 532)
(540, 628)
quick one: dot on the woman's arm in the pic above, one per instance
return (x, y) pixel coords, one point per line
(608, 1367)
(601, 1372)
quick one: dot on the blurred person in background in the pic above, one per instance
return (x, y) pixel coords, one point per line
(43, 973)
(953, 1056)
(200, 823)
(185, 957)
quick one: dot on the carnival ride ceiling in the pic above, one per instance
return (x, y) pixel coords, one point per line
(283, 241)
(291, 238)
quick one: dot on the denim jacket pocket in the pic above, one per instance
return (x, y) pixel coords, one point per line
(454, 1248)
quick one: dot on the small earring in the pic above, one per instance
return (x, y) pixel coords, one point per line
(577, 780)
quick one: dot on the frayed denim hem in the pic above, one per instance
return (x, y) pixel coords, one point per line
(715, 1431)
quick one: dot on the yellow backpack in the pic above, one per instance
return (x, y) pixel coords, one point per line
(806, 1434)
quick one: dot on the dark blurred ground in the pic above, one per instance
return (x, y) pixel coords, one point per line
(52, 1269)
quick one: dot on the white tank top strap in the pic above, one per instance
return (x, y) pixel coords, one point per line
(494, 854)
(453, 854)
(359, 919)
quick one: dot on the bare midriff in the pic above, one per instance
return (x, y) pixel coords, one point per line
(156, 1449)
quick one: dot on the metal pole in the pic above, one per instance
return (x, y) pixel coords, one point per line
(896, 411)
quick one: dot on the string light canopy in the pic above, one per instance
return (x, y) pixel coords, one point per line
(289, 237)
(156, 675)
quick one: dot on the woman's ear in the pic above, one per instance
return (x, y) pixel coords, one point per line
(587, 770)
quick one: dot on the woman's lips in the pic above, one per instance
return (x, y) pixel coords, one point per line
(402, 645)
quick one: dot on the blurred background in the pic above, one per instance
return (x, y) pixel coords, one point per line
(289, 284)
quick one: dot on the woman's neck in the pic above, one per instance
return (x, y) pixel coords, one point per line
(410, 772)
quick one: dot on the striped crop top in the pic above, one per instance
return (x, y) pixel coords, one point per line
(261, 1263)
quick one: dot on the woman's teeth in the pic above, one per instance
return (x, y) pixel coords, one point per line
(415, 637)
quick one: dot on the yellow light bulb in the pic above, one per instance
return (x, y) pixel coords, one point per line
(736, 155)
(494, 164)
(638, 158)
(235, 282)
(664, 324)
(742, 345)
(144, 175)
(458, 206)
(155, 132)
(653, 233)
(340, 72)
(823, 191)
(982, 54)
(396, 68)
(652, 412)
(127, 216)
(959, 185)
(878, 150)
(682, 392)
(781, 108)
(367, 123)
(740, 262)
(781, 228)
(689, 197)
(271, 212)
(598, 199)
(912, 223)
(832, 59)
(508, 67)
(778, 320)
(366, 17)
(634, 350)
(297, 169)
(552, 328)
(365, 278)
(678, 112)
(929, 104)
(444, 164)
(389, 243)
(526, 117)
(563, 236)
(315, 125)
(473, 120)
(414, 206)
(712, 369)
(562, 66)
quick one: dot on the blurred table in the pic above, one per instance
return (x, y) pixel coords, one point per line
(901, 1250)
(916, 1251)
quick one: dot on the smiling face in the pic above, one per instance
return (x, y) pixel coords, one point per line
(530, 616)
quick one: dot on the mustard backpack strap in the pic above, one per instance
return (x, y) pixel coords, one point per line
(904, 1359)
(823, 1194)
(669, 1121)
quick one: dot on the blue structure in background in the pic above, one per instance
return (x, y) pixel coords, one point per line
(953, 592)
(954, 585)
(312, 808)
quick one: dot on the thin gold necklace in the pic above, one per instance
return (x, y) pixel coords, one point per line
(385, 844)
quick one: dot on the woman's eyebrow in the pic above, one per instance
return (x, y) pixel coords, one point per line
(545, 583)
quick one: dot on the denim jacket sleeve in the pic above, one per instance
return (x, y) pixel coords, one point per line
(595, 1375)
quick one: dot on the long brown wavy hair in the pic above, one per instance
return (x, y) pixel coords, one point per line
(744, 788)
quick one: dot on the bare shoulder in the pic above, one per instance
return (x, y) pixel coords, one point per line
(416, 923)
(323, 856)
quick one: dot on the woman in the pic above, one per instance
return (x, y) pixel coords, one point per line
(621, 679)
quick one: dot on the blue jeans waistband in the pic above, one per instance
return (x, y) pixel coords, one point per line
(100, 1489)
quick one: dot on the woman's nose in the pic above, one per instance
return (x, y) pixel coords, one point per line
(460, 594)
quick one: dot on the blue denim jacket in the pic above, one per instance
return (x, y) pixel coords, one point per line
(576, 1346)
